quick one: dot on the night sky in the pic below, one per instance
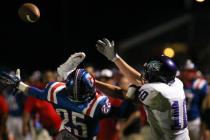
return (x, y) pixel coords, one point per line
(68, 26)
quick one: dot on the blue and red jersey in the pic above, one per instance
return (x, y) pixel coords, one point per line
(79, 118)
(195, 94)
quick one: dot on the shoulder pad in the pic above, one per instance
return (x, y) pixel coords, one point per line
(53, 88)
(95, 104)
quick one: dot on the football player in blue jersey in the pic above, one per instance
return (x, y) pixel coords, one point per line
(77, 101)
(196, 89)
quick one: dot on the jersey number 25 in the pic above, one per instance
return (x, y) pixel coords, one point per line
(76, 120)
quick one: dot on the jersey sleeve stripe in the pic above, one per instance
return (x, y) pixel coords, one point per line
(88, 106)
(53, 90)
(95, 105)
(56, 91)
(59, 88)
(53, 94)
(92, 105)
(196, 83)
(50, 88)
(201, 84)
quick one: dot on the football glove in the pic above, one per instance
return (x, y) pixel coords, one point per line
(21, 86)
(71, 64)
(8, 81)
(106, 48)
(17, 74)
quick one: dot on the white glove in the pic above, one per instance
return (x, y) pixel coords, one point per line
(106, 48)
(18, 73)
(71, 64)
(22, 86)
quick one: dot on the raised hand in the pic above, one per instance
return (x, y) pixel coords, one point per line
(106, 48)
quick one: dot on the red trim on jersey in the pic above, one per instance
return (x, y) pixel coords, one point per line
(53, 90)
(201, 84)
(197, 84)
(91, 105)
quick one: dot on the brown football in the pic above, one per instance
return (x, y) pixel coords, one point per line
(29, 12)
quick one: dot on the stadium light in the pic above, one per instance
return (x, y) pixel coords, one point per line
(169, 52)
(199, 0)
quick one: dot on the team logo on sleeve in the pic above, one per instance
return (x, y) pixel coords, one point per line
(106, 107)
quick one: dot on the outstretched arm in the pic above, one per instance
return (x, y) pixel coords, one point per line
(111, 90)
(106, 48)
(14, 82)
(29, 90)
(129, 72)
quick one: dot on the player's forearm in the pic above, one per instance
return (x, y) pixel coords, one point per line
(128, 71)
(111, 90)
(32, 91)
(37, 93)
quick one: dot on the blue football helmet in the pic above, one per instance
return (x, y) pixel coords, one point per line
(162, 69)
(80, 86)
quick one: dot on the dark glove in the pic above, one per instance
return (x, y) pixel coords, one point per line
(8, 81)
(107, 48)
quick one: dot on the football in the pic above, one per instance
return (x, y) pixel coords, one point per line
(29, 12)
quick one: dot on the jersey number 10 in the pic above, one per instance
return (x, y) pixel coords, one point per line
(179, 115)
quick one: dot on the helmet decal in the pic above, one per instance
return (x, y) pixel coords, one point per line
(155, 65)
(161, 69)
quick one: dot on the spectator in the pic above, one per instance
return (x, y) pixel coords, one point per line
(107, 126)
(129, 128)
(90, 68)
(4, 109)
(14, 121)
(37, 109)
(206, 118)
(195, 91)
